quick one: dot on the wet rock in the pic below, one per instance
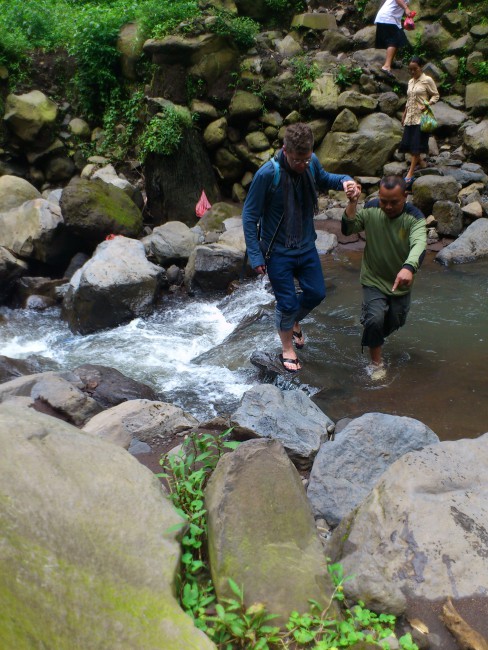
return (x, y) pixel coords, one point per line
(213, 267)
(470, 245)
(11, 269)
(170, 243)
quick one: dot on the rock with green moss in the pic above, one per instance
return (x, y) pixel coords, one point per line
(94, 209)
(324, 94)
(215, 133)
(262, 533)
(245, 105)
(317, 21)
(346, 122)
(89, 544)
(477, 97)
(31, 117)
(357, 102)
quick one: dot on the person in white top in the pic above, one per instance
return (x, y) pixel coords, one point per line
(389, 32)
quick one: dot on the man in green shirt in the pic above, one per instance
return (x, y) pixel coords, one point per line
(395, 247)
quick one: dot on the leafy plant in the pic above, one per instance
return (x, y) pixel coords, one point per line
(164, 132)
(481, 70)
(158, 18)
(240, 29)
(304, 74)
(120, 123)
(345, 76)
(187, 474)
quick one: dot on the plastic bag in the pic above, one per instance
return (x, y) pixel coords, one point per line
(408, 24)
(203, 205)
(428, 123)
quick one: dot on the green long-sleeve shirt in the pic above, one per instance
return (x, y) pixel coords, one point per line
(391, 244)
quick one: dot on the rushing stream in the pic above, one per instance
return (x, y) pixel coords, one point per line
(195, 352)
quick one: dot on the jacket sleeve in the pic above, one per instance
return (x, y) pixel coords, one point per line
(418, 242)
(252, 213)
(326, 181)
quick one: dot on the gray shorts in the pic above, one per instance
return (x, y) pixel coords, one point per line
(381, 315)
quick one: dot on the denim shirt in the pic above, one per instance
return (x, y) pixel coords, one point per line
(266, 206)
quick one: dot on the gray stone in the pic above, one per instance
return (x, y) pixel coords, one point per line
(346, 122)
(170, 243)
(357, 102)
(262, 533)
(324, 95)
(114, 286)
(431, 188)
(449, 218)
(325, 242)
(470, 246)
(11, 269)
(475, 138)
(318, 21)
(447, 116)
(347, 468)
(140, 418)
(421, 535)
(215, 133)
(15, 191)
(244, 106)
(288, 416)
(213, 267)
(477, 97)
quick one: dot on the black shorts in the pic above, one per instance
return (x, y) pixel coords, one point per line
(388, 35)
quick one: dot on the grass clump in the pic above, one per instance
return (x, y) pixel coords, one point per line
(164, 132)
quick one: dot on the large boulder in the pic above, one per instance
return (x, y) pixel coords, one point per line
(324, 96)
(94, 209)
(35, 230)
(129, 45)
(31, 117)
(170, 243)
(289, 416)
(346, 469)
(15, 191)
(477, 97)
(431, 188)
(420, 537)
(363, 152)
(139, 418)
(13, 368)
(89, 544)
(449, 217)
(114, 286)
(470, 246)
(475, 138)
(447, 116)
(261, 531)
(213, 267)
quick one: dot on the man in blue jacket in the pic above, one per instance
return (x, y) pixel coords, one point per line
(284, 206)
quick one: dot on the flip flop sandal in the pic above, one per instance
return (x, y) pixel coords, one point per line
(388, 73)
(285, 360)
(298, 335)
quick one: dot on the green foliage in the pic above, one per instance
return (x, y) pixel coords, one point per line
(361, 5)
(304, 73)
(187, 474)
(240, 29)
(481, 71)
(164, 132)
(235, 626)
(120, 124)
(345, 76)
(93, 44)
(157, 18)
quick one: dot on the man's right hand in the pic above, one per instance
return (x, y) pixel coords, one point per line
(260, 270)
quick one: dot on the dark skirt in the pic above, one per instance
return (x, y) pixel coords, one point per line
(414, 141)
(389, 36)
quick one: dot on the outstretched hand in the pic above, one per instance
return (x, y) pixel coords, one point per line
(403, 279)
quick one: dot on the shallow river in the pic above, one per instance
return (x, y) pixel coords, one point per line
(196, 352)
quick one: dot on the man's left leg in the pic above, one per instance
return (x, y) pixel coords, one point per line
(398, 308)
(311, 281)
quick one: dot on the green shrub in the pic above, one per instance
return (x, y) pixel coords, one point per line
(93, 44)
(158, 18)
(240, 29)
(345, 76)
(164, 132)
(304, 73)
(481, 71)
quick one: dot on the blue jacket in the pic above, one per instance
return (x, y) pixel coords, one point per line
(266, 206)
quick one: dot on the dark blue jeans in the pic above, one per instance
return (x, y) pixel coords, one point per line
(282, 270)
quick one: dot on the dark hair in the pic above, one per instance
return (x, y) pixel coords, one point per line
(417, 60)
(390, 182)
(298, 138)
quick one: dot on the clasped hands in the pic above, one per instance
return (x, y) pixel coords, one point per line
(352, 190)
